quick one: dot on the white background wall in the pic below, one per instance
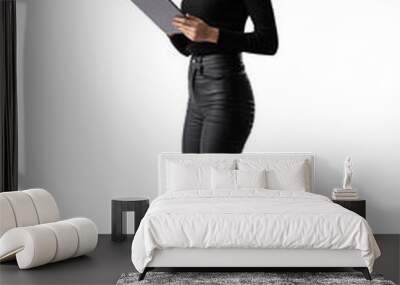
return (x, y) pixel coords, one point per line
(102, 92)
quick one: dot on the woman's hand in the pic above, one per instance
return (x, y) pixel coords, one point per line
(196, 29)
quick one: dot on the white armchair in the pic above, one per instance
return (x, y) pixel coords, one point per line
(31, 230)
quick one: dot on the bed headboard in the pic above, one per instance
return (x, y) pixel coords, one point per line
(165, 156)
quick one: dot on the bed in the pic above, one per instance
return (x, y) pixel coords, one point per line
(249, 210)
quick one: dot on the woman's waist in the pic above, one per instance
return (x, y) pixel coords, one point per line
(218, 62)
(213, 58)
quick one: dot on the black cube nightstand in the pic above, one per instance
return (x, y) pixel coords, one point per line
(357, 206)
(119, 207)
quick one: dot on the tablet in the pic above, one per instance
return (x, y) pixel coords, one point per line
(161, 13)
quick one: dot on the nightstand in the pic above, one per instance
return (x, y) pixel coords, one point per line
(119, 207)
(357, 206)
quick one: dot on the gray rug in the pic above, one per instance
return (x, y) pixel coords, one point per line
(243, 278)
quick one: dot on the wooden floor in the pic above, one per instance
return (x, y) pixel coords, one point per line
(110, 260)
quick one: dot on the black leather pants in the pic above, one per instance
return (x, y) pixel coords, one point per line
(220, 108)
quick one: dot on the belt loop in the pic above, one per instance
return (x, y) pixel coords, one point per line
(201, 65)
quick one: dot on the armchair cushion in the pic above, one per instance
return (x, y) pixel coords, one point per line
(40, 244)
(32, 233)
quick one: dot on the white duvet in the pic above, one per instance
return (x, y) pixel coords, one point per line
(250, 218)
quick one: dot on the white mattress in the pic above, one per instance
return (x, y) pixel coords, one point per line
(251, 218)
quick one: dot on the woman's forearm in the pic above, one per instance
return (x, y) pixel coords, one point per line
(264, 38)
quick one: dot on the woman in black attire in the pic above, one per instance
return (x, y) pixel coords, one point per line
(220, 108)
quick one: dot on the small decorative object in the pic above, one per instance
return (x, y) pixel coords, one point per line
(348, 173)
(346, 192)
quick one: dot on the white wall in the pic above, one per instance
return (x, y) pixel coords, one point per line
(102, 92)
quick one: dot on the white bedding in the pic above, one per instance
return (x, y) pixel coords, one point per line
(250, 218)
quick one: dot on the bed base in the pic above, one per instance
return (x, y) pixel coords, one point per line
(363, 270)
(251, 259)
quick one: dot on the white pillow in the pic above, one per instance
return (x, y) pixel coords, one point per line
(282, 174)
(251, 178)
(190, 174)
(237, 179)
(223, 179)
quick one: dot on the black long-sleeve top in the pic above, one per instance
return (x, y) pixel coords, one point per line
(230, 17)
